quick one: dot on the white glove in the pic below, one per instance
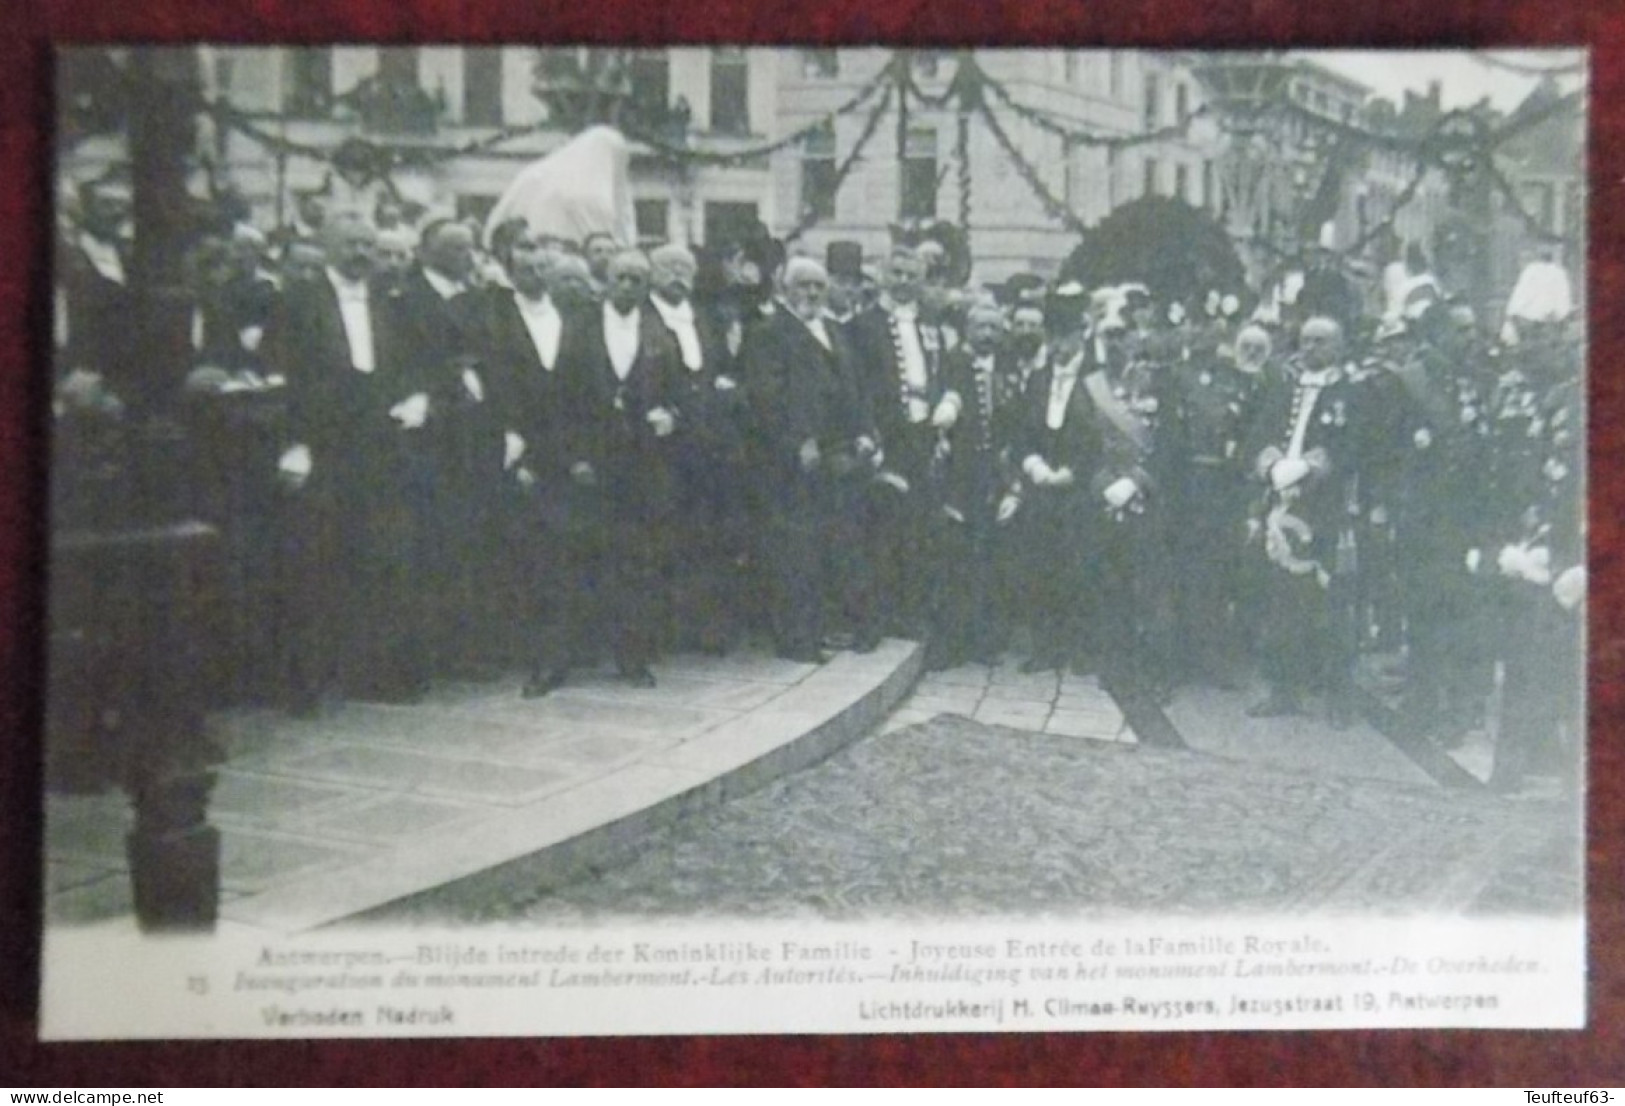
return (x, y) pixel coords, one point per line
(810, 455)
(1038, 470)
(411, 412)
(1474, 560)
(1120, 491)
(726, 384)
(892, 479)
(1570, 588)
(1061, 477)
(954, 513)
(947, 412)
(471, 381)
(295, 465)
(1007, 508)
(526, 478)
(581, 472)
(1533, 565)
(1287, 472)
(250, 337)
(867, 448)
(663, 421)
(513, 448)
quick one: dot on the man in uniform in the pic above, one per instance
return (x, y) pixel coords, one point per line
(1307, 453)
(1537, 555)
(1440, 499)
(981, 491)
(1216, 397)
(899, 353)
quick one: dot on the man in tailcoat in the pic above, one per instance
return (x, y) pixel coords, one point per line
(1059, 455)
(463, 448)
(518, 334)
(710, 534)
(817, 450)
(624, 398)
(357, 407)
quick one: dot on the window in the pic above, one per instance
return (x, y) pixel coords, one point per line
(309, 82)
(730, 91)
(1149, 188)
(1113, 187)
(1153, 96)
(1115, 75)
(1182, 183)
(820, 65)
(1210, 187)
(651, 81)
(818, 174)
(653, 220)
(1182, 103)
(919, 184)
(482, 86)
(398, 65)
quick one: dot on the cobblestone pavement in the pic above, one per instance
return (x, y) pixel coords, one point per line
(955, 817)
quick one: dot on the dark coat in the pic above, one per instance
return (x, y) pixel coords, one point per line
(907, 445)
(607, 419)
(799, 390)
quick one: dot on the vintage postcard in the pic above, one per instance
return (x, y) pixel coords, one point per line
(554, 540)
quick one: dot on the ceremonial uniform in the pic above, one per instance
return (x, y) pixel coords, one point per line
(1130, 494)
(979, 473)
(1307, 450)
(900, 354)
(1440, 502)
(1537, 552)
(1216, 403)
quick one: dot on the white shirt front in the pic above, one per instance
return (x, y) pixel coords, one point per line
(103, 257)
(357, 315)
(1061, 386)
(1310, 385)
(816, 326)
(544, 325)
(621, 337)
(444, 286)
(906, 320)
(680, 319)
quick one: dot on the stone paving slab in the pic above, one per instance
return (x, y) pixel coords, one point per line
(1061, 704)
(328, 818)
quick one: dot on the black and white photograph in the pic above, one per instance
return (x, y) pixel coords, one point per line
(740, 539)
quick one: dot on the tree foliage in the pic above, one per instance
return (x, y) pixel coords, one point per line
(1175, 250)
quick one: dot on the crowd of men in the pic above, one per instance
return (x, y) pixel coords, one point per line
(530, 448)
